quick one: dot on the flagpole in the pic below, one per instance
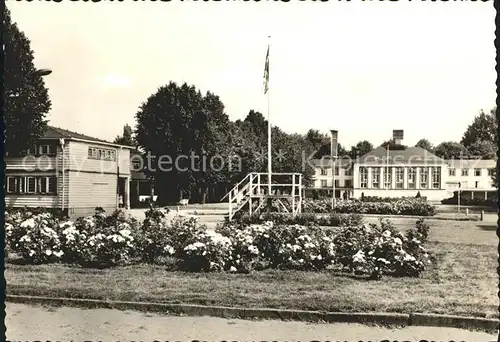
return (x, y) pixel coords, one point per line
(269, 155)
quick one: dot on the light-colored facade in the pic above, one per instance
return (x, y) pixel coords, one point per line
(71, 172)
(403, 172)
(472, 177)
(323, 177)
(400, 173)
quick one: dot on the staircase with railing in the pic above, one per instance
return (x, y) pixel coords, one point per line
(256, 191)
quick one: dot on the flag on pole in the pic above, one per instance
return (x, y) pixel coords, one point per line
(266, 72)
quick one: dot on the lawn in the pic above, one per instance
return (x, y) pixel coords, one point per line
(463, 282)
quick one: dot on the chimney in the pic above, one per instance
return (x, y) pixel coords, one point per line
(334, 143)
(397, 136)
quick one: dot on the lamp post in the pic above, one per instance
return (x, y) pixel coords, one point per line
(38, 72)
(333, 153)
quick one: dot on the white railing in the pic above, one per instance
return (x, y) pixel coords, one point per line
(257, 187)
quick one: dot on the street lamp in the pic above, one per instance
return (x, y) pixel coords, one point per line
(333, 153)
(38, 72)
(42, 72)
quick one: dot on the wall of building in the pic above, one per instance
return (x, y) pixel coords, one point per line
(342, 179)
(88, 190)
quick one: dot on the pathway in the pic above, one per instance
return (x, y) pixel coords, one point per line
(28, 323)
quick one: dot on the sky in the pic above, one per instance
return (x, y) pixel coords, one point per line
(362, 68)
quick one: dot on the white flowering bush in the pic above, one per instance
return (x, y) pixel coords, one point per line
(266, 245)
(100, 240)
(376, 250)
(211, 251)
(165, 234)
(40, 242)
(104, 240)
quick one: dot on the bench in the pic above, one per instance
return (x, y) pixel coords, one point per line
(184, 201)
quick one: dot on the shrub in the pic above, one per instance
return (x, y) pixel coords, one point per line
(332, 219)
(380, 249)
(164, 234)
(407, 206)
(99, 240)
(491, 202)
(39, 243)
(210, 251)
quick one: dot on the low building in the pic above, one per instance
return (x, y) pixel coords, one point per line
(71, 172)
(323, 178)
(472, 177)
(402, 171)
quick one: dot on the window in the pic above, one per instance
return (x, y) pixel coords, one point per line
(490, 172)
(436, 177)
(102, 153)
(323, 172)
(452, 172)
(31, 185)
(337, 184)
(412, 175)
(465, 172)
(376, 177)
(424, 178)
(336, 171)
(348, 183)
(348, 171)
(363, 174)
(477, 184)
(323, 183)
(11, 184)
(52, 185)
(388, 177)
(20, 184)
(477, 172)
(399, 177)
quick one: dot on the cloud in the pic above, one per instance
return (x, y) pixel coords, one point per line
(115, 81)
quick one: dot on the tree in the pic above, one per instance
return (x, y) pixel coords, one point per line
(450, 150)
(360, 149)
(163, 131)
(127, 138)
(483, 128)
(482, 149)
(425, 144)
(27, 100)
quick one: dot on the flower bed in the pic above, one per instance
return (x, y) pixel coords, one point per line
(407, 206)
(332, 219)
(104, 241)
(492, 203)
(388, 199)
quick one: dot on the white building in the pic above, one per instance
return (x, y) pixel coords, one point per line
(472, 177)
(403, 172)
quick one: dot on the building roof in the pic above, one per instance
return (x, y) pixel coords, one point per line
(57, 133)
(406, 156)
(472, 163)
(327, 162)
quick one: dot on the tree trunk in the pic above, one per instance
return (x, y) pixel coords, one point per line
(203, 195)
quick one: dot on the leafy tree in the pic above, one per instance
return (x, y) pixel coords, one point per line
(482, 149)
(425, 144)
(164, 129)
(483, 128)
(126, 139)
(360, 149)
(450, 150)
(26, 97)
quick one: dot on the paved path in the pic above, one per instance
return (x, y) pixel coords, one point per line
(28, 323)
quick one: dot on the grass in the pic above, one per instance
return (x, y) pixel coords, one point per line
(463, 282)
